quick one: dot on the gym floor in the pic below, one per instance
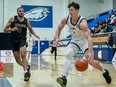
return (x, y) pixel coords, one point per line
(45, 70)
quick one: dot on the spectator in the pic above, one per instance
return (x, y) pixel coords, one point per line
(110, 40)
(31, 43)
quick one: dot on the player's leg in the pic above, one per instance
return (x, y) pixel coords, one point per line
(55, 52)
(97, 65)
(24, 60)
(23, 56)
(51, 50)
(29, 52)
(94, 63)
(16, 53)
(29, 49)
(17, 57)
(84, 46)
(72, 49)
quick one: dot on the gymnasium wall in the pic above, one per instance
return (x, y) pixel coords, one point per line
(93, 7)
(1, 15)
(59, 11)
(114, 4)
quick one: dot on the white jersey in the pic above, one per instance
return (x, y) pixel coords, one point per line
(54, 44)
(30, 41)
(76, 33)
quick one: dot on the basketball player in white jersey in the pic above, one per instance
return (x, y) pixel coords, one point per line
(81, 39)
(31, 43)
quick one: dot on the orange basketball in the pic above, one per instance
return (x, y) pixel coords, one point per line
(81, 65)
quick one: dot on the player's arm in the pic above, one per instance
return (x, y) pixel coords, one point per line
(60, 27)
(34, 42)
(7, 27)
(84, 27)
(31, 30)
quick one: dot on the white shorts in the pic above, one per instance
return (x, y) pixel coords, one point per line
(29, 48)
(79, 44)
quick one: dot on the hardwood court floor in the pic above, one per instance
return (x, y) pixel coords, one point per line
(45, 70)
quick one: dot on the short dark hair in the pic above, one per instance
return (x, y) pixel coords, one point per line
(74, 4)
(19, 8)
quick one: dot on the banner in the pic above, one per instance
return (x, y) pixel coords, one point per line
(39, 16)
(100, 39)
(103, 39)
(7, 56)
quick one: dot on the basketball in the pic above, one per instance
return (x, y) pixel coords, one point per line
(81, 65)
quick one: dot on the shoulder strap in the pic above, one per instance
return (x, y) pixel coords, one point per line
(67, 19)
(15, 17)
(25, 20)
(80, 20)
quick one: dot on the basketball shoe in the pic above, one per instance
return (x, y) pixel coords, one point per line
(62, 81)
(27, 76)
(107, 76)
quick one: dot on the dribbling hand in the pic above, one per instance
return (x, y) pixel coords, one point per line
(89, 57)
(58, 42)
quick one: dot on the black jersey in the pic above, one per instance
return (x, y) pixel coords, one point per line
(22, 29)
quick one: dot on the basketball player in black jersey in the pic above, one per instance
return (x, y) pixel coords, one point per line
(18, 26)
(81, 39)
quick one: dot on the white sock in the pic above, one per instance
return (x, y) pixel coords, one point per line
(67, 64)
(25, 71)
(103, 71)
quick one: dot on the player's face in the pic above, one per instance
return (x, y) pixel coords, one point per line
(73, 11)
(20, 12)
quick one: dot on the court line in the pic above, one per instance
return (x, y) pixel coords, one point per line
(10, 82)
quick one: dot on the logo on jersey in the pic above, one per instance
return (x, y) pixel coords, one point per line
(72, 28)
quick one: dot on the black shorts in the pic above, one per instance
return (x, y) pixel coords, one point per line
(16, 45)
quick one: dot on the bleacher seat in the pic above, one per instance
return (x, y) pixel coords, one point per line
(93, 22)
(103, 17)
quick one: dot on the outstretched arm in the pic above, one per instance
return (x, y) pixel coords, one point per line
(59, 29)
(31, 30)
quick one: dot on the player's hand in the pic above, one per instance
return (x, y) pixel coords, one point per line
(14, 29)
(57, 40)
(89, 57)
(37, 36)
